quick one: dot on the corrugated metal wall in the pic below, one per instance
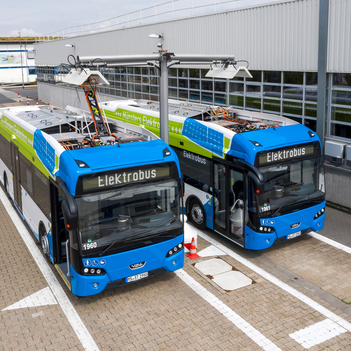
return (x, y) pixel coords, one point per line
(339, 36)
(278, 36)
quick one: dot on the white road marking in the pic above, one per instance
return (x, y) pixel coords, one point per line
(239, 322)
(77, 324)
(330, 242)
(40, 298)
(317, 333)
(313, 304)
(39, 314)
(211, 251)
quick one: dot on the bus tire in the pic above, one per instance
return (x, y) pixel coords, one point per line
(6, 186)
(197, 214)
(44, 240)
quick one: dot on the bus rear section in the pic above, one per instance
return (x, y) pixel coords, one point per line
(105, 212)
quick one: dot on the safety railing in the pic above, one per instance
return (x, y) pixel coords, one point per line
(166, 11)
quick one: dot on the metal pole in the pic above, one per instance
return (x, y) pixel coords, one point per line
(19, 33)
(322, 68)
(164, 134)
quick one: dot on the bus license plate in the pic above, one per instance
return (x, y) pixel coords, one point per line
(136, 277)
(293, 235)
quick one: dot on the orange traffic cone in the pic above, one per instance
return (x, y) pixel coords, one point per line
(192, 255)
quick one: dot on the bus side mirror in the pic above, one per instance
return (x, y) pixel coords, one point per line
(69, 209)
(258, 186)
(71, 219)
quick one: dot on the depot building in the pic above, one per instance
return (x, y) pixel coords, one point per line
(298, 53)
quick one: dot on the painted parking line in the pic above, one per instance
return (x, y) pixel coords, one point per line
(239, 322)
(313, 304)
(77, 324)
(330, 242)
(317, 333)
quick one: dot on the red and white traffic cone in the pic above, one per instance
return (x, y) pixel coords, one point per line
(27, 101)
(192, 255)
(37, 103)
(19, 97)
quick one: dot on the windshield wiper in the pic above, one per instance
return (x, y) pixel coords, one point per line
(126, 238)
(137, 236)
(103, 221)
(290, 203)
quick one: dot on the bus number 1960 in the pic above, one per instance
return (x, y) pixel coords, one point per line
(88, 246)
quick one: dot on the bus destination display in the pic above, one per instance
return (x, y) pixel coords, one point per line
(287, 154)
(124, 177)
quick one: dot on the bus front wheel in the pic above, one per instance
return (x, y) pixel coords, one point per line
(197, 214)
(44, 241)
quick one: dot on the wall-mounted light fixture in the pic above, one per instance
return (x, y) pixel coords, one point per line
(228, 71)
(70, 45)
(156, 36)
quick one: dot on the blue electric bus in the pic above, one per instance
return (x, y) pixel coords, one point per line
(102, 200)
(255, 178)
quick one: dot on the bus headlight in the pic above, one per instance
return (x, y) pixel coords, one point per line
(319, 213)
(266, 229)
(93, 271)
(174, 250)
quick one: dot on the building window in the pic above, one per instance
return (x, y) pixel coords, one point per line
(293, 78)
(342, 79)
(256, 76)
(32, 71)
(272, 77)
(270, 105)
(291, 94)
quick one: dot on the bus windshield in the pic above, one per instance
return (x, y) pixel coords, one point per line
(291, 186)
(123, 219)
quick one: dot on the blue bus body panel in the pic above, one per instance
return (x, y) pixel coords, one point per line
(117, 266)
(204, 136)
(269, 139)
(281, 224)
(104, 158)
(44, 150)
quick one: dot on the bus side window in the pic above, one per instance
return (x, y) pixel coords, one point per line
(251, 203)
(237, 185)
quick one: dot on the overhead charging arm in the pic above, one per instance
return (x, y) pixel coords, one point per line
(87, 79)
(99, 123)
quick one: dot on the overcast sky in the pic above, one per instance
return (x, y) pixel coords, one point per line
(40, 17)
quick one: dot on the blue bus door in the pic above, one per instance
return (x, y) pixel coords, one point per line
(228, 205)
(60, 241)
(15, 169)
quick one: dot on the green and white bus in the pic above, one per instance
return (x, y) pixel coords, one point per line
(255, 178)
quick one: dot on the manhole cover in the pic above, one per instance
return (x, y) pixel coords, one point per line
(231, 280)
(213, 266)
